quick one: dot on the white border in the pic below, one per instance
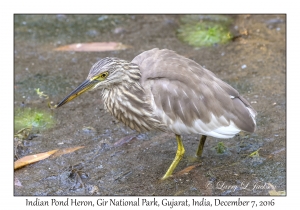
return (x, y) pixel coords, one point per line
(153, 6)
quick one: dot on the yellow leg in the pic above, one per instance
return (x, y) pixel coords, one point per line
(178, 157)
(201, 146)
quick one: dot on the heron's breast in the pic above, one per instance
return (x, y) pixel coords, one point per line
(133, 113)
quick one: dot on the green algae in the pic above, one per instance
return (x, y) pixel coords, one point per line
(203, 31)
(221, 148)
(32, 118)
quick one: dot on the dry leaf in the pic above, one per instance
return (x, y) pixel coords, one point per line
(274, 192)
(186, 170)
(32, 158)
(124, 140)
(93, 47)
(65, 151)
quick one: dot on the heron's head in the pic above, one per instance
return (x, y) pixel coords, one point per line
(105, 74)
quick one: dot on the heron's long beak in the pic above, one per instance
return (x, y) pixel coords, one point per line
(85, 86)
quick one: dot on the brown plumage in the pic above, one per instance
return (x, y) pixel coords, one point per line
(162, 90)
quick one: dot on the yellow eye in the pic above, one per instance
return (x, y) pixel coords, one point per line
(102, 76)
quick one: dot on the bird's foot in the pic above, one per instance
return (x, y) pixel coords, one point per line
(194, 159)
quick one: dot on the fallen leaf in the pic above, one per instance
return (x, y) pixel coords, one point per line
(65, 151)
(274, 192)
(186, 170)
(124, 140)
(32, 158)
(93, 47)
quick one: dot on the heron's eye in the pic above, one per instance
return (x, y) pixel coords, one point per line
(102, 76)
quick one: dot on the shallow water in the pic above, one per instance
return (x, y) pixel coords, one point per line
(254, 64)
